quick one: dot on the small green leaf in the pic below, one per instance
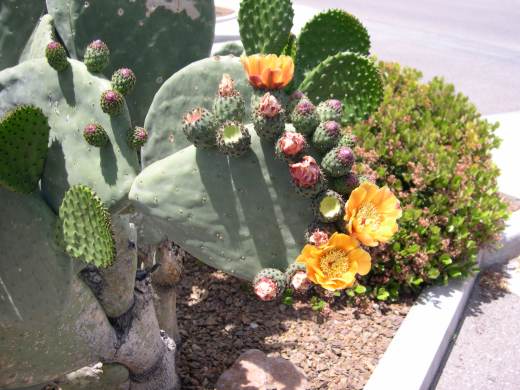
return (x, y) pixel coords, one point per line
(360, 289)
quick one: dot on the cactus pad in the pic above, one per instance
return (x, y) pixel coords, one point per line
(84, 227)
(193, 86)
(332, 31)
(24, 135)
(265, 25)
(350, 77)
(239, 215)
(70, 101)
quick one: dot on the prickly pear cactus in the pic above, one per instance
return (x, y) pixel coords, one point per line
(351, 77)
(332, 31)
(48, 316)
(70, 100)
(265, 25)
(238, 214)
(17, 21)
(154, 38)
(194, 86)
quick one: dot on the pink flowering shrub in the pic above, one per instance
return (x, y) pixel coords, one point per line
(432, 148)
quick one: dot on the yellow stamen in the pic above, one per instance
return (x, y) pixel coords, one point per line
(368, 215)
(334, 263)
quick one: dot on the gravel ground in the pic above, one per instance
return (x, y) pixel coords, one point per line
(219, 319)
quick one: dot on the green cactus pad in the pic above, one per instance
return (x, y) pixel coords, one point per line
(17, 21)
(265, 25)
(45, 300)
(332, 31)
(350, 77)
(195, 85)
(238, 215)
(153, 38)
(43, 34)
(70, 100)
(85, 228)
(24, 135)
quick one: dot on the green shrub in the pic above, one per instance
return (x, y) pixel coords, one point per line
(432, 148)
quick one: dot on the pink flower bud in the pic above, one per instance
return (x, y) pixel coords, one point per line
(265, 289)
(291, 143)
(269, 106)
(226, 86)
(305, 173)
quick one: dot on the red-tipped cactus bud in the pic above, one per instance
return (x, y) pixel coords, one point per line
(56, 56)
(97, 56)
(123, 80)
(95, 135)
(112, 102)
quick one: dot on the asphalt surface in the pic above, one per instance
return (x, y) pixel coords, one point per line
(474, 44)
(486, 352)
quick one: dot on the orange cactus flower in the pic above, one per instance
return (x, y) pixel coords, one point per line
(335, 264)
(268, 71)
(371, 214)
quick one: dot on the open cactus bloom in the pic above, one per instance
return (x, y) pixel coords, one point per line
(371, 214)
(268, 71)
(335, 264)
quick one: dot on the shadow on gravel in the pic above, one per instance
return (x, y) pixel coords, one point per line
(219, 318)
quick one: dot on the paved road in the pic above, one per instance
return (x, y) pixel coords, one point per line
(486, 352)
(473, 43)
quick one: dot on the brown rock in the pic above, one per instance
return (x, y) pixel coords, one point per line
(254, 370)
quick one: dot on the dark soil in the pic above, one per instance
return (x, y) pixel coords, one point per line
(219, 318)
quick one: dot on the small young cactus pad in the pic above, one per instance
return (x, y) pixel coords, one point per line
(56, 56)
(330, 110)
(338, 161)
(326, 136)
(200, 126)
(269, 284)
(97, 56)
(84, 227)
(304, 117)
(24, 135)
(345, 184)
(95, 135)
(123, 81)
(112, 102)
(137, 137)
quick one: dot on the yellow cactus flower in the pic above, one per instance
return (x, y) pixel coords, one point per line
(371, 214)
(268, 71)
(335, 264)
